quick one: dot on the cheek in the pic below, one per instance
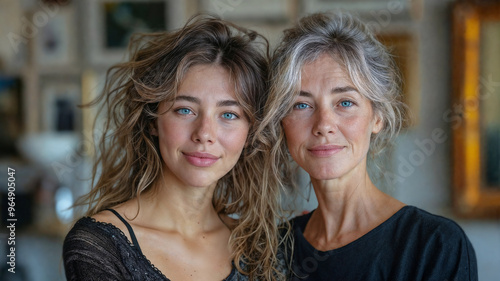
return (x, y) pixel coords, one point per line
(234, 140)
(290, 127)
(170, 133)
(358, 130)
(293, 134)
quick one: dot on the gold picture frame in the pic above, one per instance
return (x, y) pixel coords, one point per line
(473, 195)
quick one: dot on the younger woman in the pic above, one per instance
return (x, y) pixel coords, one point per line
(175, 162)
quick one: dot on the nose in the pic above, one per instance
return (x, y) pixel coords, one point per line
(324, 123)
(204, 130)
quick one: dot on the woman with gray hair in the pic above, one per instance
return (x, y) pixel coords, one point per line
(333, 103)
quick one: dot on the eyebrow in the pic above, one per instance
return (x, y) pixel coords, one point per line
(189, 99)
(221, 103)
(227, 103)
(336, 90)
(339, 90)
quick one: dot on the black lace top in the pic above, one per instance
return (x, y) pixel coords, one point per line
(95, 250)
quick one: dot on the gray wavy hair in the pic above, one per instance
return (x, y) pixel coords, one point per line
(368, 63)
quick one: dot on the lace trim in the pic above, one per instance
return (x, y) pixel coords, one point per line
(130, 244)
(231, 274)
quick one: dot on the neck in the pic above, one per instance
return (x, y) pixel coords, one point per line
(342, 203)
(173, 206)
(348, 208)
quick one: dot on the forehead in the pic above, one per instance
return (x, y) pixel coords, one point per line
(324, 69)
(205, 75)
(211, 74)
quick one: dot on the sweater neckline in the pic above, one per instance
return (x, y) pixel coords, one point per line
(300, 232)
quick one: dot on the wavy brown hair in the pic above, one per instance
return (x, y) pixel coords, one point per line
(129, 163)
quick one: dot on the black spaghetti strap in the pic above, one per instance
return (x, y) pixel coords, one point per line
(129, 227)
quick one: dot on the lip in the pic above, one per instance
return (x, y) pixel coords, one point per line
(200, 159)
(325, 150)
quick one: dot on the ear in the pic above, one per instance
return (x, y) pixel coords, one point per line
(378, 124)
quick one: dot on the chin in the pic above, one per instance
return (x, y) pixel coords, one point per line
(326, 174)
(200, 183)
(324, 177)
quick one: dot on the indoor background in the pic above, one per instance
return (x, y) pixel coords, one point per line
(54, 55)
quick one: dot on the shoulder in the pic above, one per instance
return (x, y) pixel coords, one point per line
(93, 250)
(84, 227)
(87, 232)
(440, 242)
(107, 217)
(430, 224)
(433, 234)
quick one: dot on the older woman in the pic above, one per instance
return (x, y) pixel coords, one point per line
(334, 100)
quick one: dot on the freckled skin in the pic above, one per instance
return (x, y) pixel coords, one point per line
(189, 127)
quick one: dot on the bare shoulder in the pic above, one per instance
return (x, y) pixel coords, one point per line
(107, 216)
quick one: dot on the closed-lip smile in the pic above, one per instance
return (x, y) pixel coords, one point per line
(200, 159)
(325, 150)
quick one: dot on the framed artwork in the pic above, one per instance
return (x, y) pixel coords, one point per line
(60, 100)
(377, 13)
(276, 11)
(476, 118)
(110, 23)
(93, 83)
(55, 43)
(11, 121)
(122, 19)
(14, 49)
(403, 48)
(268, 18)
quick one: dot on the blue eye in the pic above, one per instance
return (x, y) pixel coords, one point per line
(183, 111)
(301, 106)
(229, 115)
(346, 103)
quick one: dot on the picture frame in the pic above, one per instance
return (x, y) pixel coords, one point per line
(60, 101)
(109, 24)
(377, 13)
(14, 50)
(11, 114)
(276, 11)
(93, 84)
(476, 98)
(55, 44)
(403, 48)
(268, 18)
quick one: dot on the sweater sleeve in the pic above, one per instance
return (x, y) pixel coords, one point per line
(467, 266)
(89, 253)
(450, 254)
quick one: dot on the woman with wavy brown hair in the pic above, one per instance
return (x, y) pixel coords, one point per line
(179, 190)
